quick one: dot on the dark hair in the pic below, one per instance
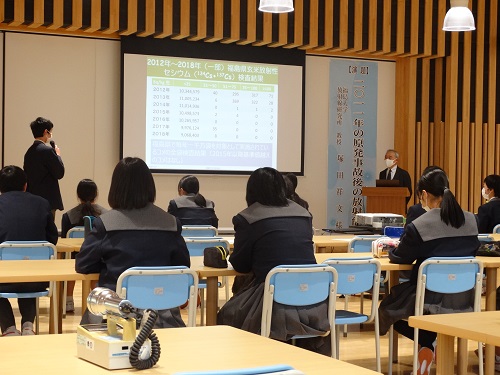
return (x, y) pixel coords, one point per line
(87, 193)
(493, 183)
(39, 126)
(289, 189)
(426, 170)
(291, 176)
(132, 185)
(12, 178)
(266, 186)
(436, 183)
(191, 185)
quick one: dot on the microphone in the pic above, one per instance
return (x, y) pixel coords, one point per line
(52, 144)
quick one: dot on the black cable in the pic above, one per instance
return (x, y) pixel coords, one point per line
(146, 332)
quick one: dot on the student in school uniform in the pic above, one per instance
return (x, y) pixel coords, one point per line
(272, 231)
(489, 213)
(445, 230)
(191, 208)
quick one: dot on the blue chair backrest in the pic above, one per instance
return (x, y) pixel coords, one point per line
(449, 274)
(88, 224)
(26, 250)
(76, 232)
(355, 275)
(484, 237)
(153, 288)
(496, 229)
(362, 244)
(196, 245)
(199, 231)
(244, 371)
(300, 288)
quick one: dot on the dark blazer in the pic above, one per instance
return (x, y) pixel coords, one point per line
(402, 176)
(26, 217)
(44, 168)
(414, 212)
(489, 215)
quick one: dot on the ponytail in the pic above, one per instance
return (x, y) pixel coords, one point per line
(200, 200)
(451, 212)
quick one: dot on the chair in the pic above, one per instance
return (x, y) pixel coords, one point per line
(361, 244)
(160, 288)
(496, 229)
(199, 231)
(355, 276)
(300, 285)
(448, 275)
(88, 223)
(76, 232)
(276, 370)
(31, 250)
(195, 246)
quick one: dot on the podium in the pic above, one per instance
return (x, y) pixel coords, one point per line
(386, 199)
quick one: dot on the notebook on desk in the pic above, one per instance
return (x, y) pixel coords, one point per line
(387, 183)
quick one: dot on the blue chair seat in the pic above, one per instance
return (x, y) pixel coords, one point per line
(349, 317)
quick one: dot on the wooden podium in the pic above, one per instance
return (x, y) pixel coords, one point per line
(386, 199)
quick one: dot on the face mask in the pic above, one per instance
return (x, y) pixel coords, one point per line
(483, 193)
(389, 163)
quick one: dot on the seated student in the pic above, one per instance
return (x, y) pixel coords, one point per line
(191, 208)
(133, 233)
(444, 231)
(23, 217)
(87, 194)
(272, 231)
(489, 213)
(291, 190)
(417, 210)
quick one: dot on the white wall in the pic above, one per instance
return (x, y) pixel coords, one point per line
(75, 82)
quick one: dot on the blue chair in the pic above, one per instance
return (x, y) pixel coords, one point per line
(160, 288)
(196, 246)
(276, 370)
(88, 224)
(31, 250)
(300, 285)
(496, 229)
(448, 275)
(76, 232)
(361, 244)
(199, 231)
(355, 276)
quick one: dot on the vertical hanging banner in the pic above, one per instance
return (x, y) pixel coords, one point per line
(352, 138)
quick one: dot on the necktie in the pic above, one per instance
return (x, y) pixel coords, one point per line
(388, 176)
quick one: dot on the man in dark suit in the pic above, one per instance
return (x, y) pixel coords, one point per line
(393, 172)
(43, 165)
(23, 217)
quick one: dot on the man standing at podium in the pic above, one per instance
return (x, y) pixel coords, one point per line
(393, 172)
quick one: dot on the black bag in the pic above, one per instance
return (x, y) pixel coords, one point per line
(489, 249)
(215, 256)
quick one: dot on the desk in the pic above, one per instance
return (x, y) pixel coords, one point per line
(215, 348)
(479, 326)
(21, 271)
(335, 243)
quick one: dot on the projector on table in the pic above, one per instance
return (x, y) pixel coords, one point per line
(379, 220)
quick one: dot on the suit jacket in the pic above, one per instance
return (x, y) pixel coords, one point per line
(402, 176)
(44, 168)
(489, 215)
(26, 217)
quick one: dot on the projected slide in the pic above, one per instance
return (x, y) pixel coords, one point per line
(212, 108)
(209, 114)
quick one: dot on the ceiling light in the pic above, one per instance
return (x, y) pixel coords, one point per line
(276, 6)
(459, 17)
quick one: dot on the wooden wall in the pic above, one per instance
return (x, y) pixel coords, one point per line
(447, 111)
